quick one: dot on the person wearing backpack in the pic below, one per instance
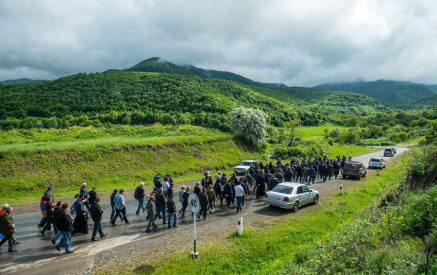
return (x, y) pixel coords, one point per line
(7, 227)
(211, 198)
(139, 196)
(96, 215)
(43, 206)
(151, 209)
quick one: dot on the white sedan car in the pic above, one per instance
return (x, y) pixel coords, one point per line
(290, 195)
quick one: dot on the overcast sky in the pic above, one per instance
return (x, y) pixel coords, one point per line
(294, 42)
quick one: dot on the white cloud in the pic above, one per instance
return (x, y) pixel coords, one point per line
(290, 41)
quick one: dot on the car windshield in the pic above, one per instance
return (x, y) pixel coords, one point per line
(375, 160)
(351, 165)
(282, 189)
(387, 150)
(246, 163)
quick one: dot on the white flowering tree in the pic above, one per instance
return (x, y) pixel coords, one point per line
(250, 124)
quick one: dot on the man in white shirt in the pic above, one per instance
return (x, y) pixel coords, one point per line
(239, 195)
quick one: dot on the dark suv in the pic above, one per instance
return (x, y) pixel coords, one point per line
(354, 169)
(389, 152)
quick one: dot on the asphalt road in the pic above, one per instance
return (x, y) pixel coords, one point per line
(36, 254)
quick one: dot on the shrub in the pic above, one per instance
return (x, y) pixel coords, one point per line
(250, 124)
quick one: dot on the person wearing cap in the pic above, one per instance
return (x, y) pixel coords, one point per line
(7, 227)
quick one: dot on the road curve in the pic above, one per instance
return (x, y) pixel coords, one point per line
(36, 254)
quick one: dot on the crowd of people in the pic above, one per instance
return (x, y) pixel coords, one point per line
(230, 192)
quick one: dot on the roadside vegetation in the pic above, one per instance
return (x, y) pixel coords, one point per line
(268, 247)
(396, 236)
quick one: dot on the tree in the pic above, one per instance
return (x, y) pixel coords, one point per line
(250, 124)
(290, 130)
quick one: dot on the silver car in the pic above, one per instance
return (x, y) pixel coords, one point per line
(290, 195)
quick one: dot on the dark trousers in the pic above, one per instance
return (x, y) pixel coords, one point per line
(312, 178)
(48, 225)
(184, 207)
(97, 228)
(160, 210)
(203, 210)
(120, 213)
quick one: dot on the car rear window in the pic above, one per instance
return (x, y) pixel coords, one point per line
(375, 160)
(282, 189)
(387, 150)
(351, 165)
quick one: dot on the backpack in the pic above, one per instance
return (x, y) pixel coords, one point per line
(136, 193)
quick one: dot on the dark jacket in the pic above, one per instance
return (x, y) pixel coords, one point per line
(186, 195)
(160, 199)
(171, 206)
(92, 197)
(203, 199)
(227, 190)
(113, 199)
(139, 193)
(63, 221)
(96, 212)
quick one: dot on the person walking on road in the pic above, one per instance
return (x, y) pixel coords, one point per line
(151, 209)
(120, 208)
(112, 200)
(260, 185)
(203, 200)
(160, 205)
(211, 198)
(7, 227)
(239, 195)
(185, 202)
(228, 195)
(80, 223)
(85, 194)
(171, 211)
(92, 196)
(50, 212)
(311, 174)
(96, 215)
(64, 221)
(139, 196)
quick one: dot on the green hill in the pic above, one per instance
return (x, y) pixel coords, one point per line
(157, 64)
(390, 93)
(126, 97)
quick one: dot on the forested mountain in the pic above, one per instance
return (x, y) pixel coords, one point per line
(157, 64)
(19, 81)
(390, 93)
(139, 98)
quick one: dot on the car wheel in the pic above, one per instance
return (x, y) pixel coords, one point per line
(345, 176)
(316, 199)
(296, 207)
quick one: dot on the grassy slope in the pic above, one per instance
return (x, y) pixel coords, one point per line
(268, 249)
(109, 162)
(316, 134)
